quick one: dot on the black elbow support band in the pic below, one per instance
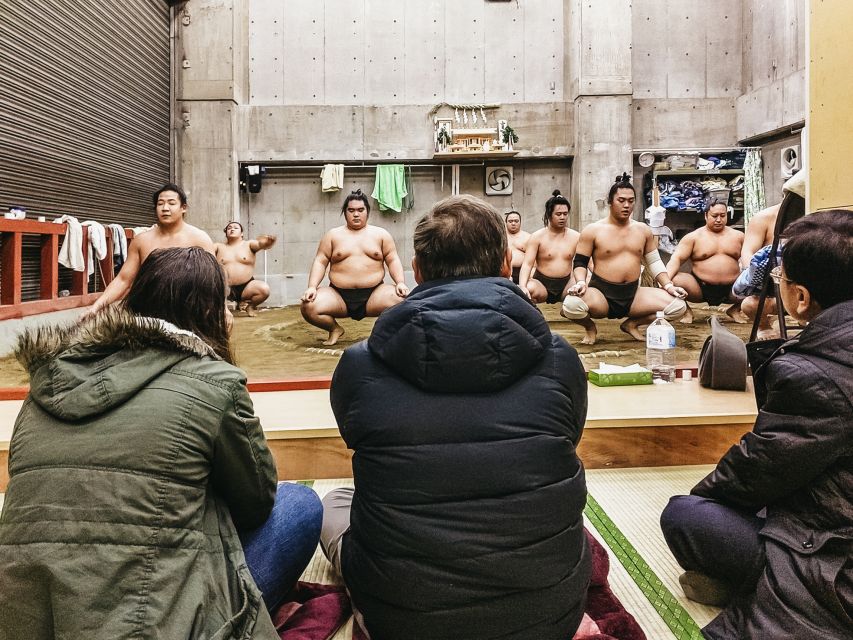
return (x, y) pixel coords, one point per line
(580, 261)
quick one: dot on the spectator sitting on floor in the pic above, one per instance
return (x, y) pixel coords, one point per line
(134, 461)
(769, 532)
(464, 412)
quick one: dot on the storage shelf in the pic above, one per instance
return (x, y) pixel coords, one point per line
(698, 172)
(472, 155)
(692, 210)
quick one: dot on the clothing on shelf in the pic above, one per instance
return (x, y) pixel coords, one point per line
(753, 201)
(332, 178)
(71, 251)
(681, 195)
(97, 244)
(390, 187)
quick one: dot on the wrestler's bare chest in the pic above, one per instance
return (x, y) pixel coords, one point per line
(346, 245)
(557, 247)
(610, 242)
(519, 241)
(708, 244)
(241, 254)
(151, 240)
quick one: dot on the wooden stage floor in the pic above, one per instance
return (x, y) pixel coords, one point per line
(639, 426)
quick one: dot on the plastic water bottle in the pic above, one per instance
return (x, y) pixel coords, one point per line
(660, 350)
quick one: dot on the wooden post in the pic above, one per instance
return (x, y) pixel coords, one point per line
(11, 256)
(49, 267)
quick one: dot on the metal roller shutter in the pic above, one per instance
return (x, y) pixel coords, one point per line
(84, 107)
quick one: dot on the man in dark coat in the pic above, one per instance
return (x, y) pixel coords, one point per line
(770, 531)
(464, 412)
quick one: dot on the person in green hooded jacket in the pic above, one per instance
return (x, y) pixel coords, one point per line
(133, 464)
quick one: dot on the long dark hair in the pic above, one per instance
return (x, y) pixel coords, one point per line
(184, 286)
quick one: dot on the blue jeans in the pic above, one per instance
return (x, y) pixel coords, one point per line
(278, 551)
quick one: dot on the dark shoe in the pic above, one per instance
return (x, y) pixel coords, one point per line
(704, 589)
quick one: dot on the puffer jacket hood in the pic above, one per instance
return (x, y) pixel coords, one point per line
(463, 411)
(69, 375)
(494, 328)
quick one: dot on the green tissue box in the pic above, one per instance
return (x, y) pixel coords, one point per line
(620, 379)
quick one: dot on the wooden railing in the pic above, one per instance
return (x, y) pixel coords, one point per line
(11, 269)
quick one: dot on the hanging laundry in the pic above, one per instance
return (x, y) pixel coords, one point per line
(332, 178)
(753, 180)
(71, 252)
(390, 186)
(409, 200)
(119, 245)
(97, 243)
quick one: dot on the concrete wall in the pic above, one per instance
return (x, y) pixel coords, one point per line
(686, 59)
(292, 206)
(313, 81)
(374, 133)
(388, 52)
(774, 63)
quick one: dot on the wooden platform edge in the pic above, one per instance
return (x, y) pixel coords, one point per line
(254, 386)
(604, 448)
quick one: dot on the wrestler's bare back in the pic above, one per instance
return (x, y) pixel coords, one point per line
(554, 251)
(616, 249)
(715, 255)
(357, 256)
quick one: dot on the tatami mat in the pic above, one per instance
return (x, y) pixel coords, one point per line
(634, 500)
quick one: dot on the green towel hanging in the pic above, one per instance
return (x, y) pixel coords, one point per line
(390, 187)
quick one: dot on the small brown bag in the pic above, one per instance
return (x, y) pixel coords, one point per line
(722, 362)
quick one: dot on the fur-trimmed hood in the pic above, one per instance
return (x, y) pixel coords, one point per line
(81, 370)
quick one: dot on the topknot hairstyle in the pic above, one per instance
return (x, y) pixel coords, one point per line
(555, 199)
(620, 182)
(355, 195)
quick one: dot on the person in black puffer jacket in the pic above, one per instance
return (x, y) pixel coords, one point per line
(464, 412)
(769, 532)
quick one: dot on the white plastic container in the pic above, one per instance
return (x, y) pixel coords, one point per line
(660, 350)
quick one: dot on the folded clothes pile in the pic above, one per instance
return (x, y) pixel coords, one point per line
(681, 195)
(693, 194)
(736, 186)
(728, 160)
